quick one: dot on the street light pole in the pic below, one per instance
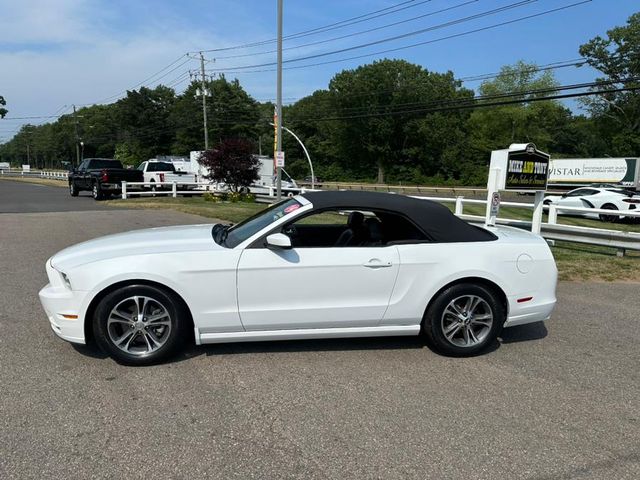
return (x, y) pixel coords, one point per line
(313, 177)
(279, 100)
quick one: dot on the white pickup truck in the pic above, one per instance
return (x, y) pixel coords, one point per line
(155, 171)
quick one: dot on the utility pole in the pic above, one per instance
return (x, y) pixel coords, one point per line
(279, 99)
(75, 117)
(204, 103)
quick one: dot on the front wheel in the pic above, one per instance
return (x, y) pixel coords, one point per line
(140, 324)
(73, 191)
(463, 320)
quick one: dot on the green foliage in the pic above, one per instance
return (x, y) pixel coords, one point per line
(210, 197)
(617, 57)
(123, 152)
(3, 111)
(376, 122)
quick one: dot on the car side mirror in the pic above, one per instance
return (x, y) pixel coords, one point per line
(564, 195)
(278, 240)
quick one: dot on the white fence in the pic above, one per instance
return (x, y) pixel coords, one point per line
(130, 189)
(53, 174)
(552, 230)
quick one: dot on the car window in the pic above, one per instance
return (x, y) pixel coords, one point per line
(141, 166)
(252, 225)
(99, 163)
(577, 193)
(343, 227)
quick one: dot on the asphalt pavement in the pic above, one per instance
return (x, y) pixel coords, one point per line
(23, 197)
(554, 401)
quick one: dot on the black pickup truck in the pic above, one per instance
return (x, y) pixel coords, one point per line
(103, 177)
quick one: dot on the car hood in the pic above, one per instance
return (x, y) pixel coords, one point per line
(138, 242)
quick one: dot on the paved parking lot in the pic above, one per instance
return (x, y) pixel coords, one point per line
(550, 402)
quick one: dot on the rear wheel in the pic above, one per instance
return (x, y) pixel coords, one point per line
(609, 218)
(96, 191)
(463, 320)
(140, 324)
(73, 190)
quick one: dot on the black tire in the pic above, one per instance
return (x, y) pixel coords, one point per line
(609, 218)
(73, 190)
(139, 350)
(96, 191)
(438, 325)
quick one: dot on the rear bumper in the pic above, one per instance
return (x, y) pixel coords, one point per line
(58, 302)
(532, 313)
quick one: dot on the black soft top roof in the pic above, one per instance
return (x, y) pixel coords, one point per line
(433, 218)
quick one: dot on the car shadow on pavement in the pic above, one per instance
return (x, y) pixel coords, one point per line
(524, 333)
(311, 345)
(90, 350)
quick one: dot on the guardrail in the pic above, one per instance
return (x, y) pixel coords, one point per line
(552, 230)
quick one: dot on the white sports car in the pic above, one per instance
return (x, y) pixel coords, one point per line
(318, 265)
(609, 198)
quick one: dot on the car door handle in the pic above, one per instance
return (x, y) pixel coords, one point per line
(376, 263)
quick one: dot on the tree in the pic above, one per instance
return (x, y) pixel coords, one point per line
(381, 109)
(233, 163)
(3, 111)
(231, 113)
(618, 57)
(544, 123)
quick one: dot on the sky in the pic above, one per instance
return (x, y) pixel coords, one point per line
(57, 53)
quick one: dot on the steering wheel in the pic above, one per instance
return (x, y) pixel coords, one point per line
(290, 231)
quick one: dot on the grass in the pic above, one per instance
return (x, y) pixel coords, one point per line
(39, 181)
(593, 263)
(226, 211)
(576, 262)
(525, 214)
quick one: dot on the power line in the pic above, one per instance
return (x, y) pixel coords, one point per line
(149, 78)
(239, 69)
(319, 42)
(527, 93)
(398, 37)
(332, 26)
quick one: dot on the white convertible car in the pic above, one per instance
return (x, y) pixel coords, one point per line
(606, 198)
(319, 265)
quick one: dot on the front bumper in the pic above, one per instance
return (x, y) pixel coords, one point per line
(59, 301)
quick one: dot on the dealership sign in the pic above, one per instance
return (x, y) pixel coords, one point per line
(521, 167)
(527, 169)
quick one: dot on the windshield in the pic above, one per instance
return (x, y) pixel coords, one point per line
(252, 225)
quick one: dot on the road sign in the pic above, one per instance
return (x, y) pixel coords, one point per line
(279, 159)
(495, 204)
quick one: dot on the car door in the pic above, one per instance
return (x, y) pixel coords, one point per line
(79, 175)
(573, 198)
(86, 175)
(315, 286)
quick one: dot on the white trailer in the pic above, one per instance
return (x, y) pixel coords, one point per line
(576, 172)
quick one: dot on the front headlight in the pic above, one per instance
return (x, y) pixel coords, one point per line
(66, 280)
(61, 275)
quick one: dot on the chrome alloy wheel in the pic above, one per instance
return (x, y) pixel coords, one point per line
(139, 325)
(467, 321)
